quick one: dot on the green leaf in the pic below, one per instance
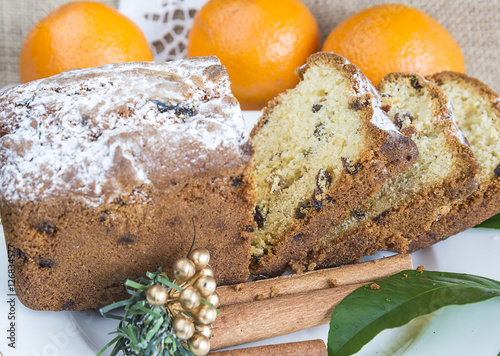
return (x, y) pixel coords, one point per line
(491, 223)
(366, 312)
(155, 328)
(108, 345)
(135, 293)
(115, 317)
(118, 347)
(165, 281)
(131, 331)
(206, 302)
(116, 305)
(149, 311)
(135, 285)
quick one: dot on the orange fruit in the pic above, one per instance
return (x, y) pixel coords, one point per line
(260, 42)
(81, 34)
(395, 38)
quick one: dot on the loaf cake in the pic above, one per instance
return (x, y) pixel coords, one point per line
(445, 173)
(321, 149)
(103, 169)
(477, 109)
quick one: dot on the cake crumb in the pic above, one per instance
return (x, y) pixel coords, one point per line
(333, 283)
(405, 275)
(297, 267)
(259, 297)
(374, 286)
(311, 266)
(238, 287)
(420, 269)
(274, 292)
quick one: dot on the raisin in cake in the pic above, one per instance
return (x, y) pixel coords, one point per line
(320, 150)
(477, 109)
(103, 169)
(406, 205)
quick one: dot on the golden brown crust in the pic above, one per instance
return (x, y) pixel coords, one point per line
(386, 154)
(483, 203)
(68, 263)
(478, 207)
(463, 79)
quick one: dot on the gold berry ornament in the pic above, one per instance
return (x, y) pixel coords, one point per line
(199, 344)
(192, 316)
(207, 271)
(157, 295)
(204, 330)
(213, 299)
(205, 314)
(183, 327)
(169, 317)
(184, 269)
(189, 298)
(205, 285)
(200, 257)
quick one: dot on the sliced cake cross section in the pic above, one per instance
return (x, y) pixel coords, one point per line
(406, 205)
(321, 149)
(477, 109)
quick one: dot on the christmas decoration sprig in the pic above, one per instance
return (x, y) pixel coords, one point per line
(168, 318)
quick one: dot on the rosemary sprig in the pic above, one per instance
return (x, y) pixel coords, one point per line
(144, 330)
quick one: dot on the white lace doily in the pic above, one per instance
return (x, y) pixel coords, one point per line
(165, 23)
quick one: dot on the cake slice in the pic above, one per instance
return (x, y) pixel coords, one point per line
(406, 205)
(321, 149)
(477, 109)
(102, 171)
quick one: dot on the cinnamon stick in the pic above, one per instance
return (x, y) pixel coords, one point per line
(310, 348)
(309, 281)
(264, 309)
(254, 321)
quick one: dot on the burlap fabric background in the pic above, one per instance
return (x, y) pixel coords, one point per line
(475, 24)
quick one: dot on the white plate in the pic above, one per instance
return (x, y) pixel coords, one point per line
(466, 330)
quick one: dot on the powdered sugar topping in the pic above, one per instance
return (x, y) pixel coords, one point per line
(455, 130)
(363, 87)
(97, 133)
